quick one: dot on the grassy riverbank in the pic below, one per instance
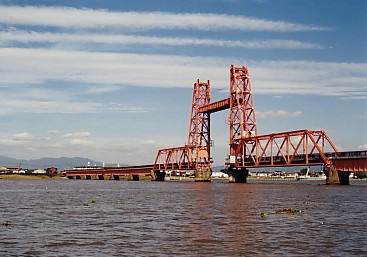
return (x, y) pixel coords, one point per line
(22, 176)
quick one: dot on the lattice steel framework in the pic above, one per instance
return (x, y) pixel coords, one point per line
(195, 155)
(292, 148)
(242, 119)
(199, 131)
(247, 148)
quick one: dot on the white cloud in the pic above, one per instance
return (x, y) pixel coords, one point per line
(363, 147)
(80, 38)
(22, 136)
(97, 68)
(65, 17)
(78, 134)
(19, 139)
(54, 131)
(40, 65)
(279, 113)
(41, 100)
(81, 142)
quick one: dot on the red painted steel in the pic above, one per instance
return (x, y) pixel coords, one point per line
(293, 148)
(242, 111)
(351, 164)
(242, 119)
(199, 132)
(247, 148)
(216, 106)
(355, 161)
(117, 171)
(195, 155)
(176, 158)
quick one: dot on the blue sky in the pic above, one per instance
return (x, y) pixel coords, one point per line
(112, 80)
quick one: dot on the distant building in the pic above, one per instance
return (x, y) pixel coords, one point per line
(51, 171)
(39, 171)
(219, 174)
(10, 169)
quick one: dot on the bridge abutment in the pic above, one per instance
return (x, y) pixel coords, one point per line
(237, 175)
(335, 177)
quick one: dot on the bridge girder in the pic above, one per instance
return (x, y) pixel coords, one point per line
(247, 148)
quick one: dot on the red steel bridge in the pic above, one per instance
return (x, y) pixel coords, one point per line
(248, 149)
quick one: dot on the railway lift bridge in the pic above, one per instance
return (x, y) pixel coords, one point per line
(248, 149)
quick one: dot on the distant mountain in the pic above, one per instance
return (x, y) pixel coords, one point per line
(43, 163)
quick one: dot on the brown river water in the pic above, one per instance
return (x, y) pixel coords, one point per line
(144, 218)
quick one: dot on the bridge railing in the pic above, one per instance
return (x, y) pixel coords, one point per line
(351, 154)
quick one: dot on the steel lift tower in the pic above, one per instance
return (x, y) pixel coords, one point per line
(247, 149)
(195, 155)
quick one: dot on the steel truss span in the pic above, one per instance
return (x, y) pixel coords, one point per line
(247, 149)
(293, 148)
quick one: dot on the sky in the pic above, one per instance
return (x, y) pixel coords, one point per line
(112, 80)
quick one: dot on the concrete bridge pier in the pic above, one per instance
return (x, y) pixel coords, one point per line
(237, 175)
(203, 175)
(335, 177)
(158, 175)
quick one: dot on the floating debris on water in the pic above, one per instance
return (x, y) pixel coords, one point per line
(7, 224)
(287, 211)
(90, 201)
(281, 211)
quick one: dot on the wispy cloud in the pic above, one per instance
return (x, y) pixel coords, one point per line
(66, 17)
(347, 80)
(111, 69)
(11, 37)
(78, 134)
(279, 113)
(26, 104)
(81, 143)
(22, 136)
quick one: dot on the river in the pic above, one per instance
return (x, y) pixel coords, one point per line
(144, 218)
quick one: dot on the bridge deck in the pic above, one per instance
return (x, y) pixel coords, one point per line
(118, 171)
(352, 161)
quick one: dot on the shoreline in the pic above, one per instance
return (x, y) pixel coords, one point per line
(21, 176)
(172, 178)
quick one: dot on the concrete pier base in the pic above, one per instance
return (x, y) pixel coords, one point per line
(134, 177)
(158, 175)
(203, 175)
(344, 177)
(335, 177)
(237, 175)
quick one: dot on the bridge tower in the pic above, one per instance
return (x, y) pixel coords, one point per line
(195, 155)
(247, 149)
(199, 131)
(242, 121)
